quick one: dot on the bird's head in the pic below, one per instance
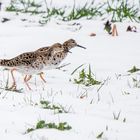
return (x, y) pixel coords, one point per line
(57, 47)
(71, 43)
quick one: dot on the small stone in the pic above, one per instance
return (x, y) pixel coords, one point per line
(92, 34)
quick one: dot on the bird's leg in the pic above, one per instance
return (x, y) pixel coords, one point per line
(41, 76)
(114, 30)
(26, 79)
(14, 81)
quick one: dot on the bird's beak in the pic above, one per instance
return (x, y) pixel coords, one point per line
(81, 46)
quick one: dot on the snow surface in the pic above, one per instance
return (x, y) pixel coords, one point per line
(89, 116)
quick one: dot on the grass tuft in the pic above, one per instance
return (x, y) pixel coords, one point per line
(42, 124)
(121, 10)
(116, 116)
(118, 10)
(134, 69)
(56, 108)
(99, 136)
(86, 78)
(24, 6)
(89, 10)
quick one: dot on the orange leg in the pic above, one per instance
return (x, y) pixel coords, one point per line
(26, 79)
(14, 81)
(41, 76)
(114, 30)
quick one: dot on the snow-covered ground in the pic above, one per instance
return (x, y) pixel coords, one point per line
(90, 109)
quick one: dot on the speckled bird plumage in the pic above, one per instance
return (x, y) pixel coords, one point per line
(35, 62)
(31, 62)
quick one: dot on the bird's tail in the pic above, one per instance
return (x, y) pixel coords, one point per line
(4, 62)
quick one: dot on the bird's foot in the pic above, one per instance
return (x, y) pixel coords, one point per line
(13, 87)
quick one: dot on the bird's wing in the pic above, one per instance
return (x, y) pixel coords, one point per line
(42, 49)
(23, 59)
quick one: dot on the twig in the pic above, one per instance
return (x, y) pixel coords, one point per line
(111, 98)
(76, 69)
(13, 90)
(59, 68)
(116, 116)
(103, 84)
(4, 96)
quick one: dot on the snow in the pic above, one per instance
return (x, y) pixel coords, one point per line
(108, 56)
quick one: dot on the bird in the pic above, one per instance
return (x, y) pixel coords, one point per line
(30, 63)
(60, 55)
(36, 62)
